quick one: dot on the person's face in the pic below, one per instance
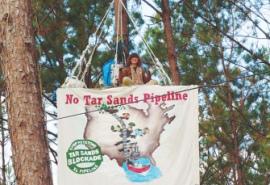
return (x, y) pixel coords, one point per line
(134, 60)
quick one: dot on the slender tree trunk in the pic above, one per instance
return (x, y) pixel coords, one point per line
(171, 50)
(4, 181)
(235, 153)
(121, 24)
(25, 112)
(2, 143)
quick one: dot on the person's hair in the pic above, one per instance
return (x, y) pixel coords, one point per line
(133, 55)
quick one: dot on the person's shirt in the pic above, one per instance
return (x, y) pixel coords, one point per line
(137, 75)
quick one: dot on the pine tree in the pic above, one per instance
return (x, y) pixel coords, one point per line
(25, 112)
(234, 128)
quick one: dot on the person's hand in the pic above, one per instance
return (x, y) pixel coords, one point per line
(127, 81)
(125, 71)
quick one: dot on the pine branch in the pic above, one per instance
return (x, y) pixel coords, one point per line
(153, 7)
(54, 154)
(51, 101)
(254, 55)
(249, 18)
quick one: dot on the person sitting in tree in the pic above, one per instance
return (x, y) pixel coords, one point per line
(134, 74)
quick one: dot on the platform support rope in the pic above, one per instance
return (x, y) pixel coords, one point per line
(77, 76)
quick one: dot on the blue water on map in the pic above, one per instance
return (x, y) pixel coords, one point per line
(151, 174)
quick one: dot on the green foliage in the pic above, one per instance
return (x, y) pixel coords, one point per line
(205, 34)
(207, 56)
(62, 31)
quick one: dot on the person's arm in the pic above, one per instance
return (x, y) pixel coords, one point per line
(146, 76)
(123, 72)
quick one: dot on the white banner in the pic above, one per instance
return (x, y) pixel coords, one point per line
(128, 135)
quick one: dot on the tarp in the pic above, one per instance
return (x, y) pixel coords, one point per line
(106, 73)
(128, 135)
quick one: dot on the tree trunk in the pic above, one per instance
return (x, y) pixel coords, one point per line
(25, 112)
(166, 19)
(3, 138)
(121, 25)
(235, 153)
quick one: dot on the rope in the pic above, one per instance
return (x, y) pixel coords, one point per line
(89, 61)
(119, 23)
(86, 50)
(151, 53)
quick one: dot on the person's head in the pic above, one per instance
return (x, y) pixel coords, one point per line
(134, 59)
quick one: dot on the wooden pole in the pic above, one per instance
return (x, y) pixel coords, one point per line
(121, 24)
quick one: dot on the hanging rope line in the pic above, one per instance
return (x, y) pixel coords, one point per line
(185, 90)
(82, 65)
(82, 59)
(90, 59)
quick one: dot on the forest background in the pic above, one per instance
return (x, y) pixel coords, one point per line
(222, 46)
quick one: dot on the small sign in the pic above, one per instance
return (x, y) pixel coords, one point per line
(84, 156)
